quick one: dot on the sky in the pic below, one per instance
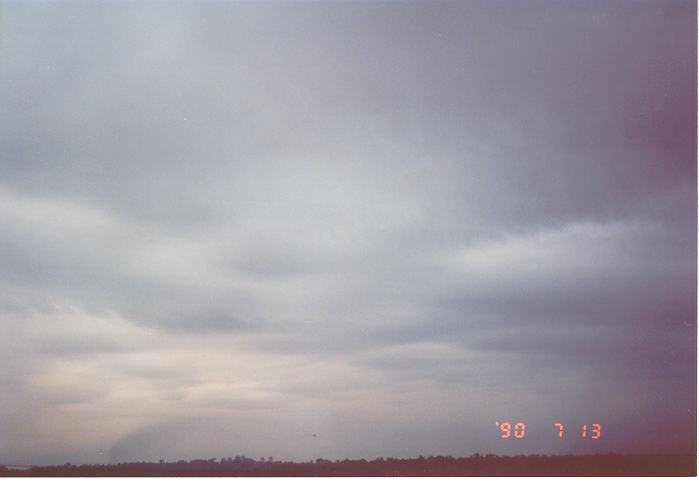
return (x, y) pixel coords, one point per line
(346, 229)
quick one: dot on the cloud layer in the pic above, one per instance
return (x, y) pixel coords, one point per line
(345, 229)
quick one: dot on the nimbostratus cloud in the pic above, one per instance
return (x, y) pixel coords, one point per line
(371, 222)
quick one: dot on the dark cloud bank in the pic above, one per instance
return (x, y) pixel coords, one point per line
(228, 227)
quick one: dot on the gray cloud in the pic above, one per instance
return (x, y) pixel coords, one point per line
(408, 220)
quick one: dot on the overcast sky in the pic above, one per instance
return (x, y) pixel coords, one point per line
(345, 229)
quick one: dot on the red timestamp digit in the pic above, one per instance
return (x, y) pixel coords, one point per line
(560, 429)
(505, 428)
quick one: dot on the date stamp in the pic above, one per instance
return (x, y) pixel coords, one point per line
(519, 430)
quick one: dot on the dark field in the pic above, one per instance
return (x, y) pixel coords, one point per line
(475, 465)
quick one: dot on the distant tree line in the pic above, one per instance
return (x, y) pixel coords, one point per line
(475, 465)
